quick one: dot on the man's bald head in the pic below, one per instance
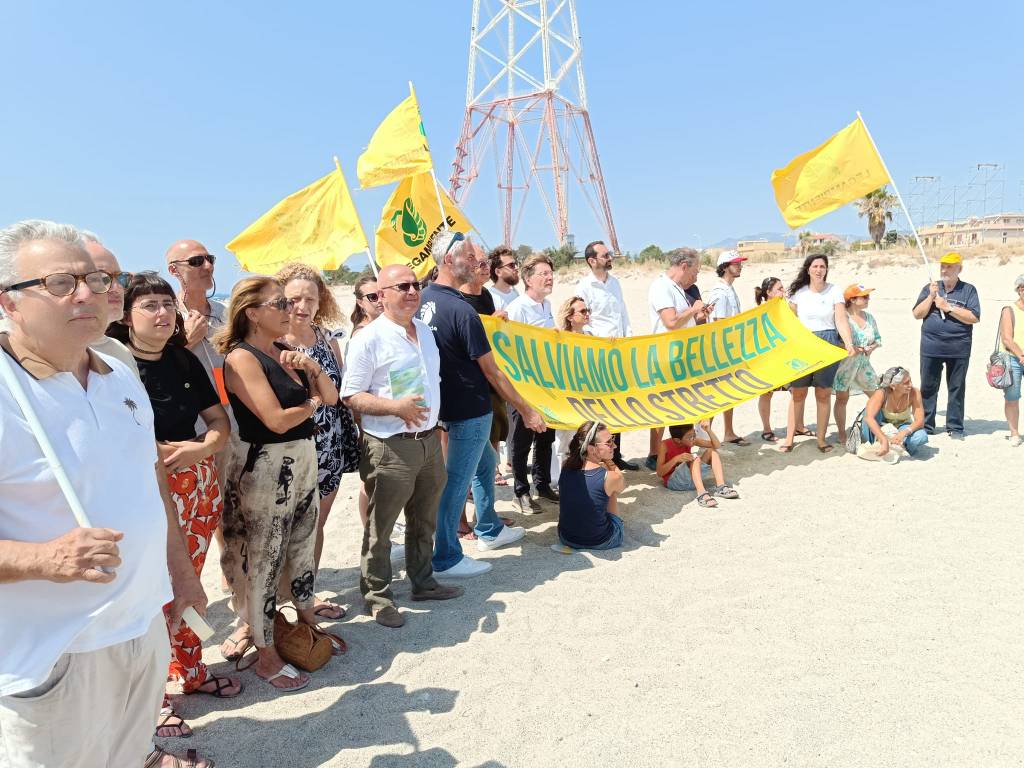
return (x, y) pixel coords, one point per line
(399, 306)
(195, 280)
(183, 249)
(395, 273)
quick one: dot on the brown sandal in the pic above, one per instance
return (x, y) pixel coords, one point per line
(191, 760)
(171, 721)
(221, 684)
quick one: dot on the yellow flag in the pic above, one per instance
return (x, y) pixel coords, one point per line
(845, 167)
(317, 225)
(398, 147)
(410, 221)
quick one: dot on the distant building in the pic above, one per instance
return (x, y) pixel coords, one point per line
(997, 228)
(752, 248)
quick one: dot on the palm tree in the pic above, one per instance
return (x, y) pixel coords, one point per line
(805, 238)
(877, 206)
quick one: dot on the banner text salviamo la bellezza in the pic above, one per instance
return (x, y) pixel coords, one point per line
(649, 381)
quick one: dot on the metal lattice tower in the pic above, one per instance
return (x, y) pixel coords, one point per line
(526, 106)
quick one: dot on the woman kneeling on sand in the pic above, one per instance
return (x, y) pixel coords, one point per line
(682, 470)
(588, 488)
(896, 402)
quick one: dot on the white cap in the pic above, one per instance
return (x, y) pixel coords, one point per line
(729, 257)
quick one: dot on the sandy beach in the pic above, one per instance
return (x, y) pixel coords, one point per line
(841, 613)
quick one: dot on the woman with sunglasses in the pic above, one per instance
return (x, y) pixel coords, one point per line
(368, 303)
(270, 526)
(572, 316)
(180, 393)
(337, 436)
(589, 487)
(856, 374)
(896, 403)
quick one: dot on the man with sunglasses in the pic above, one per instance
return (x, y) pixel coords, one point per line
(609, 317)
(192, 265)
(467, 365)
(504, 270)
(85, 648)
(106, 261)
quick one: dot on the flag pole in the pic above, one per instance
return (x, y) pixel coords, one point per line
(437, 188)
(366, 250)
(373, 264)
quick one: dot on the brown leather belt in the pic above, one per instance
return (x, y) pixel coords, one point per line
(416, 435)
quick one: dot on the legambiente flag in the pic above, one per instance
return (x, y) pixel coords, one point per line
(845, 167)
(318, 225)
(411, 220)
(398, 148)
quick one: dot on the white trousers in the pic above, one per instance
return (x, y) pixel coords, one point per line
(95, 710)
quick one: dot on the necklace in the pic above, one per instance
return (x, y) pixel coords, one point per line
(132, 342)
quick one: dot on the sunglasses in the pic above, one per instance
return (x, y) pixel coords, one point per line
(64, 283)
(373, 298)
(510, 265)
(281, 304)
(584, 311)
(456, 237)
(403, 287)
(197, 261)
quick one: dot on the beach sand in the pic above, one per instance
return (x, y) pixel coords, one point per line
(841, 613)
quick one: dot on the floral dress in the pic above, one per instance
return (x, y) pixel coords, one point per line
(856, 374)
(337, 436)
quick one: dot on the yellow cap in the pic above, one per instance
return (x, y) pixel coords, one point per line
(952, 258)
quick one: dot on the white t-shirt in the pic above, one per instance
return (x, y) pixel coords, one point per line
(608, 315)
(502, 300)
(103, 437)
(382, 360)
(726, 302)
(665, 293)
(526, 310)
(817, 310)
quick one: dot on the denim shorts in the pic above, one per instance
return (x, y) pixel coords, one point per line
(614, 541)
(681, 478)
(1012, 393)
(824, 377)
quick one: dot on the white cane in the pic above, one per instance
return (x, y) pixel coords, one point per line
(190, 616)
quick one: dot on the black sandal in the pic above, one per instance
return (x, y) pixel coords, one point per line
(221, 684)
(707, 500)
(769, 437)
(166, 722)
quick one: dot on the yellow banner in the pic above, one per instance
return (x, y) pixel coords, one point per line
(318, 225)
(842, 169)
(651, 381)
(398, 148)
(410, 221)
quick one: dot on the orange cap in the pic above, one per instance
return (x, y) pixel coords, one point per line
(852, 291)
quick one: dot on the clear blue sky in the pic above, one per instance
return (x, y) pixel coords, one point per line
(149, 122)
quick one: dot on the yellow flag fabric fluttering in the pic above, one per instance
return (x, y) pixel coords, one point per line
(317, 225)
(398, 148)
(410, 221)
(845, 167)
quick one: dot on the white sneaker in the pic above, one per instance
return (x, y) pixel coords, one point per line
(506, 535)
(466, 568)
(398, 552)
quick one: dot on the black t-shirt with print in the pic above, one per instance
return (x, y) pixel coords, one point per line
(179, 389)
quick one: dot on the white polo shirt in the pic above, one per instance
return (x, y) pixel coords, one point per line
(383, 360)
(526, 310)
(103, 437)
(502, 298)
(665, 293)
(725, 299)
(608, 315)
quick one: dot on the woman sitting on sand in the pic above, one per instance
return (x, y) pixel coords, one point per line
(270, 526)
(181, 394)
(682, 470)
(896, 402)
(589, 486)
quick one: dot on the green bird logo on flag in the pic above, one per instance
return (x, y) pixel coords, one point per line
(414, 230)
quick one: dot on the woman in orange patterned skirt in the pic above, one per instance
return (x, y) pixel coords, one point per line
(181, 393)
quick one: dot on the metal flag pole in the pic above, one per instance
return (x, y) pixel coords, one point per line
(437, 188)
(366, 250)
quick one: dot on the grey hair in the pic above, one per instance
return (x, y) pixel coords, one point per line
(442, 241)
(90, 237)
(1018, 282)
(16, 235)
(687, 255)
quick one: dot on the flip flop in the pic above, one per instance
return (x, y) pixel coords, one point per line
(826, 448)
(739, 441)
(290, 672)
(240, 646)
(803, 432)
(769, 437)
(330, 611)
(785, 449)
(499, 479)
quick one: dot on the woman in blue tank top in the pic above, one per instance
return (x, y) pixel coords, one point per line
(589, 487)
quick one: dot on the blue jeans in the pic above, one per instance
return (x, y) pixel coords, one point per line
(681, 478)
(912, 442)
(612, 542)
(1012, 394)
(470, 459)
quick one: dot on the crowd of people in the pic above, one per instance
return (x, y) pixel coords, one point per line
(236, 421)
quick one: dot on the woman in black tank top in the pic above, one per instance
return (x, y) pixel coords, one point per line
(270, 521)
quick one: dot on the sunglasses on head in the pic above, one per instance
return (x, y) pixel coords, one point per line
(62, 284)
(403, 287)
(197, 261)
(456, 237)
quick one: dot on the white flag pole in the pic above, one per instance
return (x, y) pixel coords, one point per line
(373, 264)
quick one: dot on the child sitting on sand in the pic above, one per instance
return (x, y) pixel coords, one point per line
(681, 469)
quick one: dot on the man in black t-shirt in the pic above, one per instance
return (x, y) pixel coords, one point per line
(949, 312)
(467, 366)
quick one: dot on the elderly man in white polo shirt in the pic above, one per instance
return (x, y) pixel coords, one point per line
(609, 317)
(532, 308)
(85, 649)
(724, 302)
(393, 378)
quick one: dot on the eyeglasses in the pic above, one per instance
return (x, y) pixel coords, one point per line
(373, 298)
(197, 261)
(584, 311)
(545, 273)
(456, 237)
(64, 283)
(152, 307)
(281, 304)
(403, 287)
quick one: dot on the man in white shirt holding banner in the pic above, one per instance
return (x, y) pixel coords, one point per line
(725, 303)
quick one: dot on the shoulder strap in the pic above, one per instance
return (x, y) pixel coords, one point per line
(999, 338)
